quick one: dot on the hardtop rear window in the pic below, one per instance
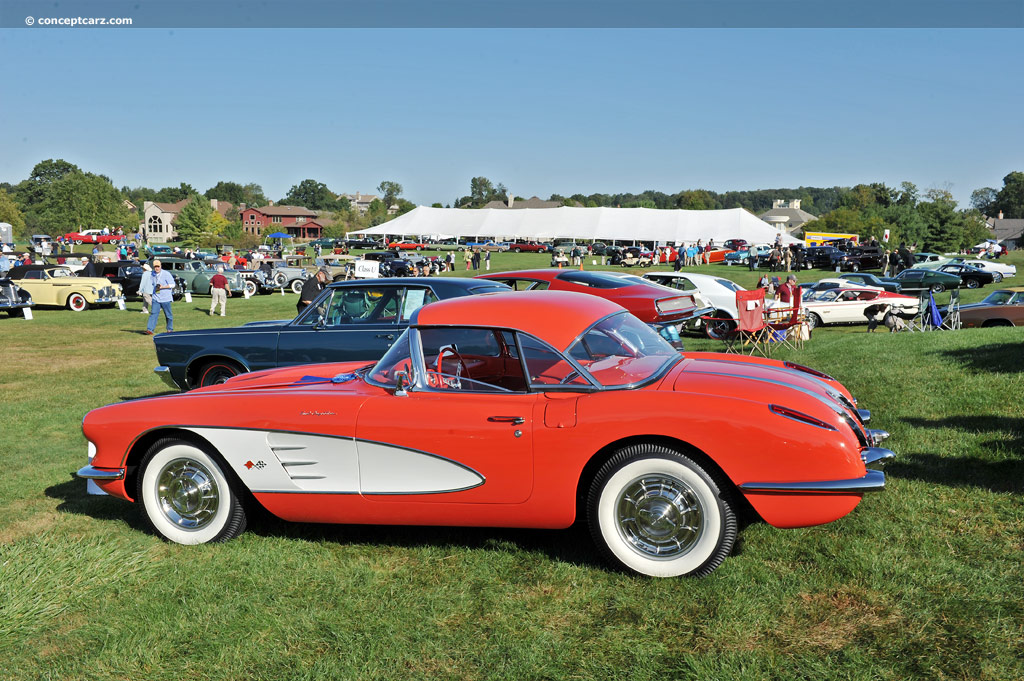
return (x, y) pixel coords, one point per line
(594, 279)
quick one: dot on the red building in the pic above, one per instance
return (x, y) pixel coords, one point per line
(295, 220)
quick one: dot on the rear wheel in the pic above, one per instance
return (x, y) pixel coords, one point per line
(215, 373)
(719, 327)
(517, 249)
(938, 288)
(656, 512)
(972, 283)
(77, 302)
(813, 320)
(187, 496)
(997, 277)
(297, 286)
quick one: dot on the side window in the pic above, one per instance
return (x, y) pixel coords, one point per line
(321, 308)
(470, 360)
(415, 298)
(539, 286)
(547, 367)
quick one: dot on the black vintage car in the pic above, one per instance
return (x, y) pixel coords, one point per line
(822, 257)
(360, 243)
(859, 258)
(128, 273)
(391, 264)
(13, 298)
(349, 320)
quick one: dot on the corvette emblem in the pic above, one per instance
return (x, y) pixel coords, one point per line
(259, 465)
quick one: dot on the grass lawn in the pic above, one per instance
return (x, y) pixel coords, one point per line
(922, 581)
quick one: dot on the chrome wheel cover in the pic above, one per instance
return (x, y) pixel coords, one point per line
(188, 494)
(659, 516)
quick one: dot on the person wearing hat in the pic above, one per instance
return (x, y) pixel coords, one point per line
(312, 288)
(163, 292)
(146, 288)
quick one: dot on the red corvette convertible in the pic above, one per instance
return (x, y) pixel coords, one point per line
(503, 410)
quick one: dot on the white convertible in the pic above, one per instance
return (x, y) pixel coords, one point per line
(846, 305)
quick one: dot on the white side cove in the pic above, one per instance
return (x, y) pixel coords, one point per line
(269, 461)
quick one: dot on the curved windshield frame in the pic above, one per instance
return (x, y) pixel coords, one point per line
(621, 351)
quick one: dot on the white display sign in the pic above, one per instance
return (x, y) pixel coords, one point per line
(188, 297)
(28, 312)
(120, 304)
(367, 269)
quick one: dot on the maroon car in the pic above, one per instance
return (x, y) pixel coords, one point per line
(529, 247)
(664, 309)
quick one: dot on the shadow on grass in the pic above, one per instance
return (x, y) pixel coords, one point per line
(996, 358)
(1005, 475)
(572, 546)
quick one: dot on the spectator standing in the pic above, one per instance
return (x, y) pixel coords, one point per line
(488, 261)
(468, 257)
(885, 263)
(476, 259)
(146, 288)
(312, 288)
(219, 291)
(787, 255)
(751, 259)
(906, 258)
(451, 261)
(163, 287)
(707, 252)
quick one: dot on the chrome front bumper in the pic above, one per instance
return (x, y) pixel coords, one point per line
(165, 375)
(873, 481)
(92, 473)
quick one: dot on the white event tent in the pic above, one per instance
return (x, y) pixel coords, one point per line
(603, 224)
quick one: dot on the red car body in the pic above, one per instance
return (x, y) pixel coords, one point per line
(407, 245)
(529, 247)
(92, 236)
(648, 302)
(655, 443)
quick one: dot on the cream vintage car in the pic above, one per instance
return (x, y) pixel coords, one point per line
(58, 286)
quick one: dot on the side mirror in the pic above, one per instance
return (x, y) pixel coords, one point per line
(401, 380)
(321, 323)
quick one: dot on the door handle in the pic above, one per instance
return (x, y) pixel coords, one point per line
(514, 420)
(389, 336)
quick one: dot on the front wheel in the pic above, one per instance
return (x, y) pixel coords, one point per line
(938, 288)
(813, 321)
(187, 496)
(250, 287)
(77, 302)
(855, 267)
(656, 512)
(280, 279)
(297, 286)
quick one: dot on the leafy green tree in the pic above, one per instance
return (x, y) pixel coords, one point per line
(11, 214)
(984, 200)
(81, 200)
(312, 195)
(377, 213)
(1010, 199)
(391, 191)
(175, 194)
(250, 194)
(195, 221)
(436, 205)
(404, 207)
(31, 192)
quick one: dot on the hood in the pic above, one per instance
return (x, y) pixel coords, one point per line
(340, 374)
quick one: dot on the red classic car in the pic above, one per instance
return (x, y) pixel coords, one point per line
(407, 245)
(503, 410)
(93, 236)
(664, 309)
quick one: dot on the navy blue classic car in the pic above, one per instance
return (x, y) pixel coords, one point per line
(349, 321)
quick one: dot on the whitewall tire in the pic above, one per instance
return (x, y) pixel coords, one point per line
(656, 512)
(186, 495)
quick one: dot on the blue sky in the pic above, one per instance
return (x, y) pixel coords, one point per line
(542, 111)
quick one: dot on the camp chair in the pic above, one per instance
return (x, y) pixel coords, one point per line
(951, 320)
(785, 324)
(752, 331)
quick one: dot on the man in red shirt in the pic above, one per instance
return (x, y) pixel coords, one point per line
(219, 291)
(789, 291)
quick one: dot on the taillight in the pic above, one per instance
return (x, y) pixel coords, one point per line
(675, 304)
(800, 416)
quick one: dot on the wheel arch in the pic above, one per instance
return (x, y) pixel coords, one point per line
(141, 447)
(197, 362)
(593, 465)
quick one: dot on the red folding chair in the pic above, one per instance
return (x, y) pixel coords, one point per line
(752, 331)
(786, 324)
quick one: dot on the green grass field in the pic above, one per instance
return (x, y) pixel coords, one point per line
(923, 581)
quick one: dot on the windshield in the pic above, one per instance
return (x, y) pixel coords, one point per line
(998, 298)
(621, 350)
(826, 295)
(394, 361)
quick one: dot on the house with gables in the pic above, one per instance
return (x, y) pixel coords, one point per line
(301, 223)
